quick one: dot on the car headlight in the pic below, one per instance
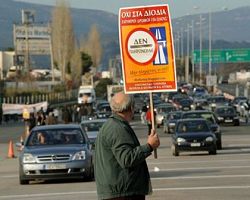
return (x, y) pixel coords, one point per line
(236, 117)
(220, 118)
(181, 140)
(81, 155)
(209, 139)
(28, 158)
(213, 105)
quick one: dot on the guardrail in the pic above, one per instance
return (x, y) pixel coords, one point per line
(53, 99)
(235, 89)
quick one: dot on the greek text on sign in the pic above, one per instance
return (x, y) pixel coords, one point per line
(147, 52)
(141, 46)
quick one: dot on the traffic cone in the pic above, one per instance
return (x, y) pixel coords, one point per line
(11, 150)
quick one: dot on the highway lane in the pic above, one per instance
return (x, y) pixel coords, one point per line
(225, 176)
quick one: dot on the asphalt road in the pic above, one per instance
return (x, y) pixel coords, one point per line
(191, 176)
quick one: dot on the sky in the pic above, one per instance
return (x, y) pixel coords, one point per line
(178, 8)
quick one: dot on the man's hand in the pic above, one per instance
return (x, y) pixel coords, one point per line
(153, 140)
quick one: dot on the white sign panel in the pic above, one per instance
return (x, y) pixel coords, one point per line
(211, 80)
(37, 47)
(18, 108)
(35, 39)
(33, 32)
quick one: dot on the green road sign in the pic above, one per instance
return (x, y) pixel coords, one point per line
(222, 56)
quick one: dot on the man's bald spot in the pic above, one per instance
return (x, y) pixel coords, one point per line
(120, 97)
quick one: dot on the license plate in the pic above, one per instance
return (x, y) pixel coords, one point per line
(55, 166)
(228, 120)
(195, 144)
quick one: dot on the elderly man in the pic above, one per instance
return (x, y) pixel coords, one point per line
(121, 171)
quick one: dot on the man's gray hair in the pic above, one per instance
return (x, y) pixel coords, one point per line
(126, 104)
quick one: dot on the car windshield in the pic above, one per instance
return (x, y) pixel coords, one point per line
(92, 126)
(225, 111)
(56, 137)
(185, 102)
(174, 116)
(206, 115)
(104, 108)
(217, 99)
(192, 126)
(165, 109)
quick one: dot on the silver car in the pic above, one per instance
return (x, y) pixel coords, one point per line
(56, 152)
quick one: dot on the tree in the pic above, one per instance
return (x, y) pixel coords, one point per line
(101, 87)
(93, 46)
(62, 36)
(76, 72)
(86, 63)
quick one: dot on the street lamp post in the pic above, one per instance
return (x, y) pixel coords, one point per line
(210, 44)
(176, 43)
(200, 49)
(187, 54)
(187, 40)
(193, 51)
(182, 49)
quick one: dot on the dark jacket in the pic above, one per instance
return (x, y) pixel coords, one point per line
(120, 161)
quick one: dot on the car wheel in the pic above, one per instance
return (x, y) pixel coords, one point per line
(219, 143)
(236, 123)
(213, 152)
(90, 174)
(175, 151)
(22, 181)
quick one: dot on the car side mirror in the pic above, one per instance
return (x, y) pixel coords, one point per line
(213, 128)
(20, 145)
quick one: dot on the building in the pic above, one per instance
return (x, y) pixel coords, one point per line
(115, 69)
(241, 76)
(6, 62)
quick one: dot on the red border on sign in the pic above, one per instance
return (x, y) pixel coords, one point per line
(155, 41)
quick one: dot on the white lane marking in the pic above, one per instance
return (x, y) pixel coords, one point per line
(204, 188)
(9, 176)
(197, 161)
(188, 177)
(239, 153)
(45, 194)
(202, 168)
(201, 177)
(172, 169)
(94, 192)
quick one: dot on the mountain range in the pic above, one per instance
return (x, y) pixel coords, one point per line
(229, 29)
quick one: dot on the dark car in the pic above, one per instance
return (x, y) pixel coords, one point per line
(227, 115)
(185, 104)
(103, 111)
(92, 127)
(59, 151)
(193, 135)
(216, 101)
(211, 119)
(170, 121)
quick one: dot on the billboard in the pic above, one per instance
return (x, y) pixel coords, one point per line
(34, 38)
(147, 51)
